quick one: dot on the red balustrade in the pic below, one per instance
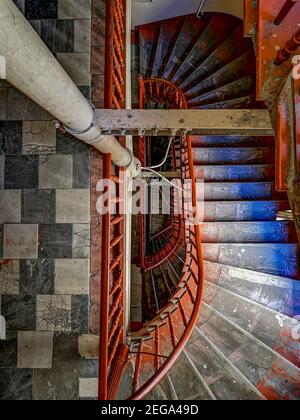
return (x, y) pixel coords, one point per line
(112, 310)
(155, 349)
(276, 47)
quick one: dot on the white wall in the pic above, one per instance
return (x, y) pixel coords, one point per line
(145, 11)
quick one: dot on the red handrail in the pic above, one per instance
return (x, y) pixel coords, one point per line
(166, 336)
(112, 311)
(162, 91)
(171, 96)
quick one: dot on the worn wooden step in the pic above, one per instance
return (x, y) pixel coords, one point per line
(249, 232)
(274, 376)
(234, 191)
(277, 259)
(233, 155)
(169, 31)
(190, 32)
(222, 173)
(148, 36)
(243, 210)
(219, 58)
(244, 102)
(240, 68)
(231, 91)
(210, 39)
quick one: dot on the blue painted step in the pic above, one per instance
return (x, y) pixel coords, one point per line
(277, 259)
(233, 155)
(236, 191)
(277, 293)
(249, 232)
(230, 211)
(232, 141)
(235, 173)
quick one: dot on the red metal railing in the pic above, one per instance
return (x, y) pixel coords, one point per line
(297, 125)
(286, 8)
(155, 349)
(273, 74)
(112, 311)
(289, 49)
(173, 242)
(161, 91)
(115, 54)
(168, 95)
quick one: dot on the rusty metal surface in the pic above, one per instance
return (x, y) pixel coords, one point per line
(250, 18)
(195, 122)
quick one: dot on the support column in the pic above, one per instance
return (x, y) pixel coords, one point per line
(32, 69)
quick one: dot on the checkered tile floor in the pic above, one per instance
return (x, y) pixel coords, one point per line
(45, 222)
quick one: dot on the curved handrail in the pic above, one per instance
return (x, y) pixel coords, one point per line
(166, 92)
(175, 322)
(187, 295)
(165, 253)
(163, 91)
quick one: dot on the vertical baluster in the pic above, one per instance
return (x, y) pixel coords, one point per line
(105, 291)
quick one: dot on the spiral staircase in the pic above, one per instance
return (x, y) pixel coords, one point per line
(245, 340)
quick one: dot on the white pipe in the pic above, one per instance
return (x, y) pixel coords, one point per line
(33, 70)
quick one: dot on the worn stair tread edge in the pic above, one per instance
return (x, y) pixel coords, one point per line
(234, 368)
(250, 336)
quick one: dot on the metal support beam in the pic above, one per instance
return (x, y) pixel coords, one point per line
(181, 122)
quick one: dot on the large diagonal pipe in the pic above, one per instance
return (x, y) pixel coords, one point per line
(32, 69)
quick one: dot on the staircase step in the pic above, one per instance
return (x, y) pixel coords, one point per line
(163, 392)
(231, 91)
(249, 232)
(220, 57)
(278, 293)
(148, 35)
(235, 173)
(190, 32)
(277, 259)
(244, 102)
(238, 69)
(233, 155)
(211, 38)
(265, 369)
(243, 210)
(274, 330)
(169, 32)
(193, 387)
(223, 379)
(232, 141)
(234, 191)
